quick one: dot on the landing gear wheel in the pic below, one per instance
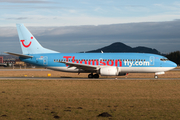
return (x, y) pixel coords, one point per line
(90, 76)
(93, 76)
(156, 77)
(96, 76)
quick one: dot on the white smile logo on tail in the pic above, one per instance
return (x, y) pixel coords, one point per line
(26, 46)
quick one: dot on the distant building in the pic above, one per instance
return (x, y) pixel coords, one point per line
(9, 61)
(19, 63)
(1, 59)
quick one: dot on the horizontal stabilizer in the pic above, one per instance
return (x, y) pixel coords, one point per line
(19, 55)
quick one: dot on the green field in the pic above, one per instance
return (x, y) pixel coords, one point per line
(85, 100)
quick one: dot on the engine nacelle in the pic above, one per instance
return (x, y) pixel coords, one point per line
(111, 71)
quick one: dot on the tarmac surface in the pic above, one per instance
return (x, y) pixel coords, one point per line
(45, 70)
(68, 78)
(25, 70)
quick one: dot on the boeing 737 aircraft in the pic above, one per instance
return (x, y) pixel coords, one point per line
(104, 64)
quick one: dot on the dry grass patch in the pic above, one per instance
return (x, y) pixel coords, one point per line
(48, 100)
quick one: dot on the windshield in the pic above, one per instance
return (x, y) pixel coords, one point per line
(164, 59)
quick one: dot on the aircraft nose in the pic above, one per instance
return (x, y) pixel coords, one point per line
(173, 64)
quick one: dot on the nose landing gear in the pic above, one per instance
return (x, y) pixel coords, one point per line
(156, 77)
(158, 73)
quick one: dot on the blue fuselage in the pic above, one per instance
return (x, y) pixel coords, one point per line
(123, 60)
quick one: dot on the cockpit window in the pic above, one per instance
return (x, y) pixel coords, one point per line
(164, 59)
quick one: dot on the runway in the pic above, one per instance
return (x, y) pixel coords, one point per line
(25, 70)
(46, 70)
(80, 79)
(75, 78)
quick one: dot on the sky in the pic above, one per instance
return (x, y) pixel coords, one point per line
(82, 25)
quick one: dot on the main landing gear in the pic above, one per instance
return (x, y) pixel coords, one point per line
(93, 76)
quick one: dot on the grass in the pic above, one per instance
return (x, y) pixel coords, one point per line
(83, 100)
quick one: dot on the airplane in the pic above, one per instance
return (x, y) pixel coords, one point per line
(104, 64)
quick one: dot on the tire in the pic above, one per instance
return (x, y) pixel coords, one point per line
(156, 77)
(96, 76)
(90, 76)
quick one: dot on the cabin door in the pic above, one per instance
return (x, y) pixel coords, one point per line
(151, 60)
(45, 60)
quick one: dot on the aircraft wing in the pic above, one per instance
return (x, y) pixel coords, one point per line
(81, 66)
(19, 55)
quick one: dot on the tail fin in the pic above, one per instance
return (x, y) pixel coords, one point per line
(29, 44)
